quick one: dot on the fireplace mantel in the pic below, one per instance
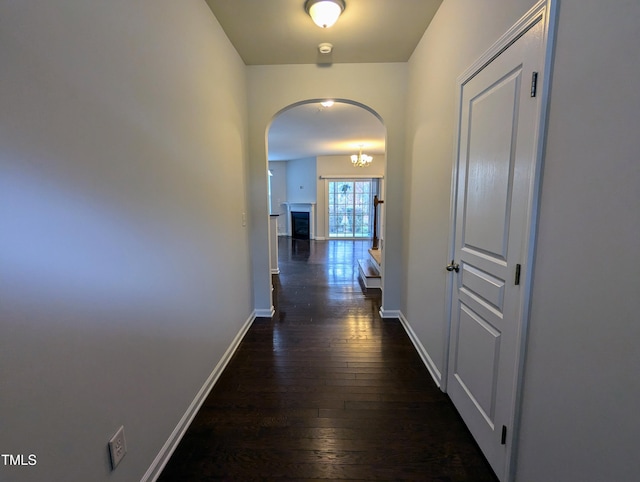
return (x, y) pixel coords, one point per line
(303, 208)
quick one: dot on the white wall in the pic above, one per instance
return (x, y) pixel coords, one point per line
(279, 193)
(301, 180)
(461, 31)
(341, 166)
(581, 389)
(124, 264)
(275, 87)
(289, 176)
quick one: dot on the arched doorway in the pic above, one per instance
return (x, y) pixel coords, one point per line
(312, 175)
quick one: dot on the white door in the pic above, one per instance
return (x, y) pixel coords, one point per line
(497, 152)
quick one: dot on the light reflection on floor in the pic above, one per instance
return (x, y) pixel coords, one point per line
(318, 291)
(363, 328)
(341, 266)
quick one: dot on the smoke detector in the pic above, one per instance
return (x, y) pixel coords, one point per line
(325, 48)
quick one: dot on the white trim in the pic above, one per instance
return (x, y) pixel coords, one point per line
(327, 179)
(160, 461)
(264, 313)
(304, 207)
(545, 11)
(275, 270)
(549, 19)
(356, 176)
(424, 355)
(389, 313)
(369, 282)
(522, 26)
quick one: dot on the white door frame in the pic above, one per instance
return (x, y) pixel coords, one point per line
(543, 11)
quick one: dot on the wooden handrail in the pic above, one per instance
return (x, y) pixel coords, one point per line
(376, 201)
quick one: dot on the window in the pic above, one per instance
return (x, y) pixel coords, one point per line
(350, 204)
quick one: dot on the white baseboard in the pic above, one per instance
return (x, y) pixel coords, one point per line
(154, 471)
(389, 313)
(264, 313)
(424, 356)
(426, 359)
(275, 270)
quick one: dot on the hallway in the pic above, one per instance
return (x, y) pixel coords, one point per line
(326, 390)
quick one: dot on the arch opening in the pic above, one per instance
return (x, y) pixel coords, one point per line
(309, 147)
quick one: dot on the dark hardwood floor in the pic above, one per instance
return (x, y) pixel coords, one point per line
(326, 390)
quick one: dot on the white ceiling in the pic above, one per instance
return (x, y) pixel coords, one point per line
(270, 32)
(311, 130)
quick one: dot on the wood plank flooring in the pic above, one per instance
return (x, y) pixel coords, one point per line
(326, 390)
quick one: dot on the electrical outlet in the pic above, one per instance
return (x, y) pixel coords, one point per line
(117, 447)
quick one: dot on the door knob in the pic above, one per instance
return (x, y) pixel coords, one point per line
(453, 266)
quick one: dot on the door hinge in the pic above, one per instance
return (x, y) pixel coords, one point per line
(503, 438)
(518, 269)
(534, 84)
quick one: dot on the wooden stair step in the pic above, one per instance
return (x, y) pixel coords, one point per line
(368, 269)
(376, 254)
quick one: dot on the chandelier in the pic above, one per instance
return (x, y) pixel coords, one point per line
(360, 159)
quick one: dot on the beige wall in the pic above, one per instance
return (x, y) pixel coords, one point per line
(124, 264)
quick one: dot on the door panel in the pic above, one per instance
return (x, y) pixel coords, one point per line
(487, 289)
(489, 166)
(478, 348)
(496, 164)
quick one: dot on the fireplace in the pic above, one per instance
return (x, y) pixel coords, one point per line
(299, 225)
(305, 216)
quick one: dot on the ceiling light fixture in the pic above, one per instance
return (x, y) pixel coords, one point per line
(325, 48)
(327, 103)
(360, 159)
(324, 13)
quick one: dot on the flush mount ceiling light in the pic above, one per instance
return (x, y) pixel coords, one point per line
(360, 159)
(324, 13)
(325, 48)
